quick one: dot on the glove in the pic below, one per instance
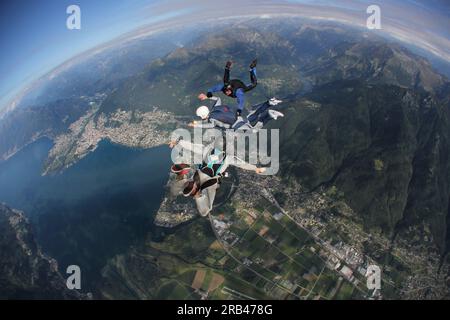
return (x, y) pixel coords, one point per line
(253, 64)
(228, 65)
(209, 94)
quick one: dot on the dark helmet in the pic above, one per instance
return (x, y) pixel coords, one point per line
(227, 87)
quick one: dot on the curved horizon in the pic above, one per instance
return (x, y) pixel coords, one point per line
(434, 39)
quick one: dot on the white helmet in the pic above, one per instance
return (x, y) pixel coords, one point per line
(202, 112)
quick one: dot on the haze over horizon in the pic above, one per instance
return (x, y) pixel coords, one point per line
(38, 40)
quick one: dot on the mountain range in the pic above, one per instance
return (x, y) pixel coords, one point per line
(364, 117)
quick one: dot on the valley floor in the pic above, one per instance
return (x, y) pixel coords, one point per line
(311, 247)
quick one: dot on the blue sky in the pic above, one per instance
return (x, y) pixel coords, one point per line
(35, 39)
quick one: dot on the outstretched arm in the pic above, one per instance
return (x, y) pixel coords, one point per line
(202, 125)
(218, 101)
(242, 164)
(214, 89)
(197, 150)
(193, 147)
(237, 162)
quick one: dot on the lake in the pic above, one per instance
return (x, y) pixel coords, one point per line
(93, 210)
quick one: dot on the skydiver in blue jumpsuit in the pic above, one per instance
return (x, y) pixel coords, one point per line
(234, 88)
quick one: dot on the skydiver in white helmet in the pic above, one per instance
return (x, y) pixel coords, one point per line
(222, 116)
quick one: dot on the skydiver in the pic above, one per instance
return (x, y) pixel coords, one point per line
(223, 117)
(206, 179)
(234, 88)
(220, 116)
(181, 173)
(212, 157)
